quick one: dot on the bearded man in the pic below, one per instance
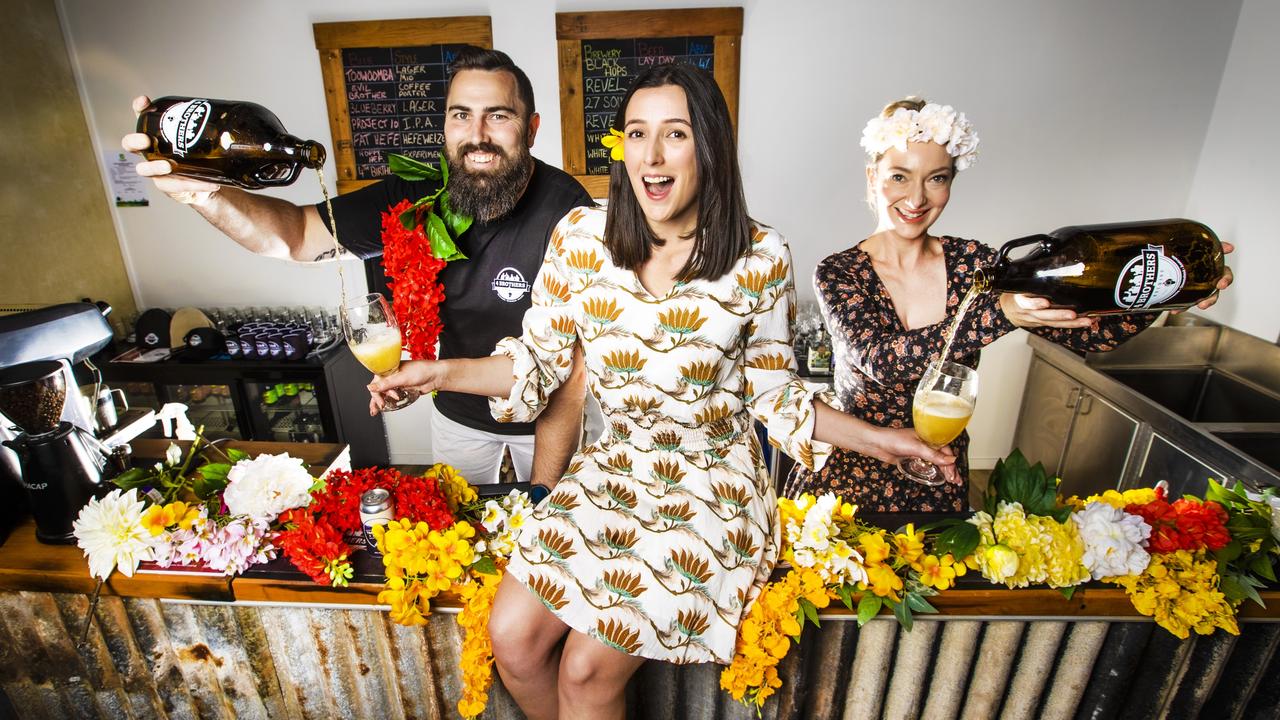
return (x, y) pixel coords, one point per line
(515, 201)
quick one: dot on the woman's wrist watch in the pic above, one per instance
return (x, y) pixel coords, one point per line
(538, 492)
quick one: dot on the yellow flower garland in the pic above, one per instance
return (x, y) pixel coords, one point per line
(1179, 590)
(477, 647)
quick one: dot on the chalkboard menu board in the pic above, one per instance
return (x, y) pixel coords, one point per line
(601, 52)
(395, 103)
(607, 69)
(385, 85)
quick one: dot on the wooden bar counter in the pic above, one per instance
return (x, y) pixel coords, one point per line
(272, 644)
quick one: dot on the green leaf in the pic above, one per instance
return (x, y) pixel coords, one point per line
(441, 244)
(1015, 480)
(1067, 592)
(444, 170)
(1237, 587)
(131, 478)
(213, 471)
(919, 604)
(456, 223)
(237, 455)
(868, 607)
(409, 218)
(206, 488)
(1261, 566)
(810, 611)
(1228, 552)
(409, 169)
(960, 538)
(903, 613)
(485, 565)
(845, 592)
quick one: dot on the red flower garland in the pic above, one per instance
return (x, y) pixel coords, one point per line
(1186, 524)
(313, 536)
(416, 291)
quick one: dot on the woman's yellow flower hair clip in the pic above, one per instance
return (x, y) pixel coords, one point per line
(613, 141)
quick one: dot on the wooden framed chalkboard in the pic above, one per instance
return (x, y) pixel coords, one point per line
(601, 51)
(384, 81)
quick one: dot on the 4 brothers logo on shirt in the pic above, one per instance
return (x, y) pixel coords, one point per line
(510, 285)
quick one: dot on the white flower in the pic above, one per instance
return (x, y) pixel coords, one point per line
(266, 486)
(1113, 540)
(935, 123)
(173, 455)
(111, 534)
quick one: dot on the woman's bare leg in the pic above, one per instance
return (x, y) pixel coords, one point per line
(593, 679)
(526, 648)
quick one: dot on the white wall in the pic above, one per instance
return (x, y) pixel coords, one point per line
(1090, 111)
(1235, 190)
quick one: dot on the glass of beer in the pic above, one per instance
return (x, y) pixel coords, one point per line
(373, 335)
(943, 403)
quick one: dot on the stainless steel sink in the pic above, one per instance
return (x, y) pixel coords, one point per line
(1263, 447)
(1201, 395)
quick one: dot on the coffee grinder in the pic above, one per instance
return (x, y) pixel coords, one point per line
(58, 462)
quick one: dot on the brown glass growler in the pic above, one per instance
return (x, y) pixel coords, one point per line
(1129, 267)
(226, 142)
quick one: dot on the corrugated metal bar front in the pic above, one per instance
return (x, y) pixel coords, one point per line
(147, 659)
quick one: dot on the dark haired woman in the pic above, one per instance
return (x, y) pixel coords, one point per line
(662, 532)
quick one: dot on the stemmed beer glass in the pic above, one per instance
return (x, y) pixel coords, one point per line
(943, 404)
(373, 335)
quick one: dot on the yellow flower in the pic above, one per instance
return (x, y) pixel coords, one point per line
(457, 491)
(883, 581)
(938, 572)
(477, 647)
(765, 637)
(909, 545)
(1001, 563)
(158, 518)
(1180, 591)
(874, 549)
(613, 141)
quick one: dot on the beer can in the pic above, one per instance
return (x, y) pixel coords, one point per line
(375, 509)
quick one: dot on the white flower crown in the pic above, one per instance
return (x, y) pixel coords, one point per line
(932, 123)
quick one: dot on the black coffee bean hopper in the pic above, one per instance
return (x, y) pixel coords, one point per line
(59, 464)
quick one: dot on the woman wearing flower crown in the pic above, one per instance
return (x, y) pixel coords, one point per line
(661, 533)
(889, 299)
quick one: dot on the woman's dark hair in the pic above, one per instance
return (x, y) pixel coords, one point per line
(474, 58)
(723, 230)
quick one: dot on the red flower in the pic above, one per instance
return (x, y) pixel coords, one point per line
(416, 292)
(313, 536)
(1186, 524)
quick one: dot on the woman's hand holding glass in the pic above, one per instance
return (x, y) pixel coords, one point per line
(416, 377)
(942, 406)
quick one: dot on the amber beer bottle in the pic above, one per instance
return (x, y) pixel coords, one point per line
(1114, 268)
(226, 142)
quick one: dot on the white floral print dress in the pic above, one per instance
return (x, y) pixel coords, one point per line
(663, 531)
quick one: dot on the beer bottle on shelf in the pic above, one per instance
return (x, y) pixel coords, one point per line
(226, 142)
(1114, 268)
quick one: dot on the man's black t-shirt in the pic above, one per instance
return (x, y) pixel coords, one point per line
(486, 294)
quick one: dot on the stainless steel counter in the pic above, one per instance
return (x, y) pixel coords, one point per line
(1180, 402)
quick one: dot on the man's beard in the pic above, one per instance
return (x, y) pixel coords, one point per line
(487, 195)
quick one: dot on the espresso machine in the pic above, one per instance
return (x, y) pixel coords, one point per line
(47, 448)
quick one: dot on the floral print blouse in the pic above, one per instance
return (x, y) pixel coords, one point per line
(878, 362)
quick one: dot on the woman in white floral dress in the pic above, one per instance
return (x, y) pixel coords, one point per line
(662, 532)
